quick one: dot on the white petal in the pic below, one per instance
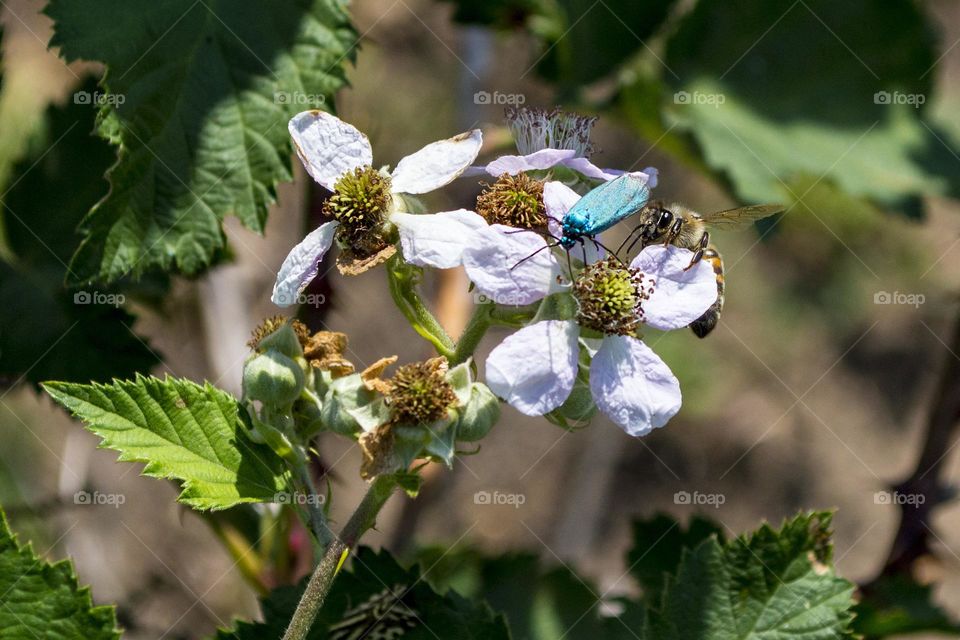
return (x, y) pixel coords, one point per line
(437, 240)
(650, 175)
(538, 160)
(633, 386)
(587, 168)
(301, 265)
(508, 267)
(535, 368)
(558, 198)
(679, 297)
(328, 146)
(437, 164)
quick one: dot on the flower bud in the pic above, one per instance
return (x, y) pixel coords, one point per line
(284, 340)
(272, 378)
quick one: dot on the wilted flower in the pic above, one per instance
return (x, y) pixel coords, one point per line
(364, 199)
(547, 139)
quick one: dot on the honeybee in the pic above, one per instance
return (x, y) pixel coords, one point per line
(685, 228)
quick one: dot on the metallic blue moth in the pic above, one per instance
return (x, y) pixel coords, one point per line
(603, 207)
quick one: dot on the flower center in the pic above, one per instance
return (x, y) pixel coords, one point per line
(611, 297)
(536, 129)
(516, 201)
(420, 393)
(359, 203)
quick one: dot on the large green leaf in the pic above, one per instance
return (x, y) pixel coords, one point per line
(774, 90)
(658, 546)
(377, 598)
(198, 95)
(43, 600)
(183, 431)
(771, 585)
(47, 331)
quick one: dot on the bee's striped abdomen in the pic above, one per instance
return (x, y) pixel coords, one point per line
(703, 325)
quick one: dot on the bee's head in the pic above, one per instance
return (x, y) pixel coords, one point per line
(663, 217)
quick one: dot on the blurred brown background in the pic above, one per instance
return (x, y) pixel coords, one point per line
(809, 395)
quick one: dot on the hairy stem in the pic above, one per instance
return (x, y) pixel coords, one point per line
(403, 279)
(318, 520)
(475, 330)
(339, 548)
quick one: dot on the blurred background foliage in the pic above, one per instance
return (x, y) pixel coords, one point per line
(809, 395)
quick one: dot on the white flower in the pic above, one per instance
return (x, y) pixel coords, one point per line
(534, 369)
(329, 149)
(549, 158)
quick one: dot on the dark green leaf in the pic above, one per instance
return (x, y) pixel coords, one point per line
(43, 600)
(47, 331)
(376, 595)
(897, 605)
(198, 99)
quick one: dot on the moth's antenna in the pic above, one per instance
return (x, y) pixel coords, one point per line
(599, 244)
(546, 246)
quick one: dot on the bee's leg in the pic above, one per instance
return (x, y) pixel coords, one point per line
(701, 249)
(674, 231)
(708, 321)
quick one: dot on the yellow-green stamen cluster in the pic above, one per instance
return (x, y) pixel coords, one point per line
(359, 203)
(611, 297)
(420, 394)
(516, 201)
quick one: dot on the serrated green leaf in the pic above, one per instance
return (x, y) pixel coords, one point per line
(377, 595)
(43, 600)
(198, 99)
(658, 545)
(47, 331)
(763, 115)
(771, 585)
(183, 431)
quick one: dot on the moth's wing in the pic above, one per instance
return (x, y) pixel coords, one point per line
(612, 201)
(741, 215)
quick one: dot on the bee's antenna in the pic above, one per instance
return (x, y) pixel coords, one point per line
(599, 244)
(627, 239)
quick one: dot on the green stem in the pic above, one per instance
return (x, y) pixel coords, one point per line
(402, 279)
(320, 582)
(318, 520)
(473, 333)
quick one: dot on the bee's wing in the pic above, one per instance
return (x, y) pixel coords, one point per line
(741, 215)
